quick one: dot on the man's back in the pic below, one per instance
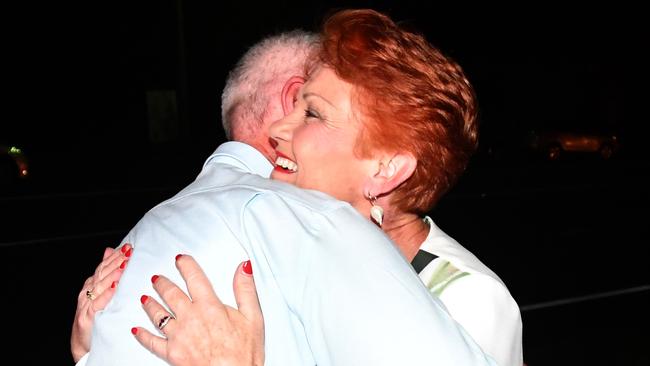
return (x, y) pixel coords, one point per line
(203, 220)
(322, 305)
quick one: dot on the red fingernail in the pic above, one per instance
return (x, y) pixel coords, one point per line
(134, 331)
(123, 265)
(154, 278)
(247, 267)
(123, 248)
(113, 284)
(178, 256)
(128, 253)
(144, 299)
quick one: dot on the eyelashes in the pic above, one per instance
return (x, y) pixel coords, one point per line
(309, 113)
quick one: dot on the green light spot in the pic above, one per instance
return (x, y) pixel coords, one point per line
(14, 150)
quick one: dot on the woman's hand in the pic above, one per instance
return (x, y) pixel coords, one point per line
(202, 330)
(96, 292)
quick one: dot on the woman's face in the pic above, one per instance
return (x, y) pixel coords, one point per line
(315, 142)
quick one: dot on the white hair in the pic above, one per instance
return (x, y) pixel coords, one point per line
(260, 75)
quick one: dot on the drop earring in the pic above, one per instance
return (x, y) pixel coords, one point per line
(376, 211)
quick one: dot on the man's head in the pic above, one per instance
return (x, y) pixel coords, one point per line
(256, 89)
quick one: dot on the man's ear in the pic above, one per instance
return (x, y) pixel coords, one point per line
(391, 172)
(290, 93)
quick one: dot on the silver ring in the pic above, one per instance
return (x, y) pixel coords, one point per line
(163, 321)
(90, 295)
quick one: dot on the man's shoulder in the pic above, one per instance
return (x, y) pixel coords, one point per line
(233, 187)
(311, 200)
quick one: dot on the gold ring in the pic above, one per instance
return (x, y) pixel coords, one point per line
(90, 295)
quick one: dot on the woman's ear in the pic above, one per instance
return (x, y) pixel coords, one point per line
(290, 93)
(391, 172)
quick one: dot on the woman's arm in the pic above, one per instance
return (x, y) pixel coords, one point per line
(487, 311)
(96, 292)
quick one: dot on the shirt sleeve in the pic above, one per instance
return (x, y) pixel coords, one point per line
(487, 311)
(357, 298)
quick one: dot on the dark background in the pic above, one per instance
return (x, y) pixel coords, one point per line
(567, 236)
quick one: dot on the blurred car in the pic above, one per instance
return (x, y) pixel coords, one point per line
(555, 143)
(14, 166)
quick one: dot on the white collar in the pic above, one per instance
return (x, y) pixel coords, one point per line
(246, 156)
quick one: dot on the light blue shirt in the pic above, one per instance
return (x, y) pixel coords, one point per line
(333, 288)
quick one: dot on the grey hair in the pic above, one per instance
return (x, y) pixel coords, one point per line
(260, 75)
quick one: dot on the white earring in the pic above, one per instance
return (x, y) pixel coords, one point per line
(376, 211)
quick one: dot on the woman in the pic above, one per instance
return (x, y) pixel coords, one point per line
(387, 123)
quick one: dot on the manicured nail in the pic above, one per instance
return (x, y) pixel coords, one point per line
(248, 269)
(178, 256)
(154, 278)
(123, 264)
(134, 330)
(144, 299)
(124, 248)
(128, 253)
(113, 284)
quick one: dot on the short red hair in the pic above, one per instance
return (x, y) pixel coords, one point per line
(414, 99)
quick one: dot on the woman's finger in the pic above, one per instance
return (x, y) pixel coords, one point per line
(97, 286)
(246, 294)
(197, 282)
(104, 284)
(82, 293)
(175, 298)
(106, 260)
(108, 251)
(158, 314)
(153, 343)
(100, 302)
(114, 260)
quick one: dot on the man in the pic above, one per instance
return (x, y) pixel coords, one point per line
(321, 304)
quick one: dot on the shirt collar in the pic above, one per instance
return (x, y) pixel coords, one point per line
(245, 156)
(427, 245)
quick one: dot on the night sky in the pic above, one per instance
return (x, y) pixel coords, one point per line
(78, 74)
(77, 79)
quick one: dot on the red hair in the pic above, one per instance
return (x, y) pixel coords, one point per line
(412, 99)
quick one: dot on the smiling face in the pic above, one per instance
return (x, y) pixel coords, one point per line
(316, 141)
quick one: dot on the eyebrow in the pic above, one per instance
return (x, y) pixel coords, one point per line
(308, 94)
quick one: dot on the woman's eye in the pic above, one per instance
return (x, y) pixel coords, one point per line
(311, 114)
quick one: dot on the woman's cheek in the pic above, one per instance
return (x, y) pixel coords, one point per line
(306, 138)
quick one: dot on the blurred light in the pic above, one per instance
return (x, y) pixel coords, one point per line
(14, 150)
(24, 172)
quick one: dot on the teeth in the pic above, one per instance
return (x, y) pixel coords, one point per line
(286, 164)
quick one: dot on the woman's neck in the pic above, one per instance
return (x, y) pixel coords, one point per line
(408, 231)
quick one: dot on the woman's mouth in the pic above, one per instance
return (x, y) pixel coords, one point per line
(284, 164)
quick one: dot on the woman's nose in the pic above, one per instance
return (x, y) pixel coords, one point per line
(281, 130)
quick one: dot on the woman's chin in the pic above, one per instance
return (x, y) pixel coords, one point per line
(282, 175)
